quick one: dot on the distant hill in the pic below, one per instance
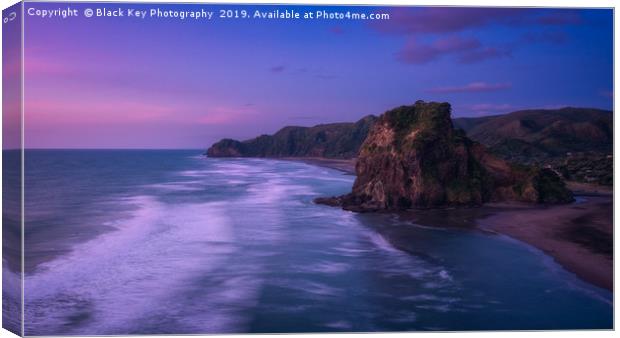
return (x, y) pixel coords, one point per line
(335, 140)
(529, 136)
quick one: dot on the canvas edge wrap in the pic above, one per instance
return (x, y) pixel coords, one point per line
(12, 171)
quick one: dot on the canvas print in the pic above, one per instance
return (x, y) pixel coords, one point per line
(244, 168)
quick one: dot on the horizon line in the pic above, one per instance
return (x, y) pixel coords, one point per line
(201, 149)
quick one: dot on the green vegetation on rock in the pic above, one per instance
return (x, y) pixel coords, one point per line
(336, 140)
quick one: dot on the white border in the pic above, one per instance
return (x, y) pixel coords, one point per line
(485, 3)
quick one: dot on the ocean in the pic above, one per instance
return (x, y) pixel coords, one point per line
(169, 241)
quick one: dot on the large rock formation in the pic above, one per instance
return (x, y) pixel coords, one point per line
(413, 157)
(336, 140)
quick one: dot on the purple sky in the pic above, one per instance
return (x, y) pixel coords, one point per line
(11, 74)
(130, 83)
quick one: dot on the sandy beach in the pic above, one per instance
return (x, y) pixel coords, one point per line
(579, 236)
(345, 165)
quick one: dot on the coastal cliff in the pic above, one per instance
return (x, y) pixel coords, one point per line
(574, 142)
(413, 157)
(335, 140)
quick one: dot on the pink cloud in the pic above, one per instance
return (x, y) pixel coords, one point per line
(482, 54)
(445, 20)
(553, 106)
(277, 69)
(415, 52)
(473, 87)
(11, 120)
(37, 66)
(480, 109)
(551, 37)
(455, 43)
(52, 112)
(431, 20)
(88, 122)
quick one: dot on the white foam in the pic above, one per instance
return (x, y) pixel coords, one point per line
(381, 242)
(11, 281)
(309, 287)
(342, 325)
(122, 275)
(177, 186)
(445, 275)
(328, 267)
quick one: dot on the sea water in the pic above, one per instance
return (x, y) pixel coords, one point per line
(169, 241)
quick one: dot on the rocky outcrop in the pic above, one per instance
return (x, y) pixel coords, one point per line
(413, 157)
(336, 140)
(227, 148)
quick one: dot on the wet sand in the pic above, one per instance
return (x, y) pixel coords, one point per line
(586, 189)
(579, 236)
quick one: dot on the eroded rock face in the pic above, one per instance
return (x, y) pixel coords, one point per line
(414, 158)
(227, 148)
(334, 140)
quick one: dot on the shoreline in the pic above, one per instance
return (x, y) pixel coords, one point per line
(345, 165)
(578, 236)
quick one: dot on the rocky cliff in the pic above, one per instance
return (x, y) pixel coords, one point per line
(336, 140)
(413, 157)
